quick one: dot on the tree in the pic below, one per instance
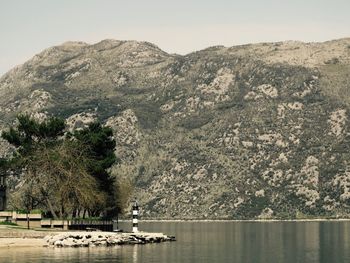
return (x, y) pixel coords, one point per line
(100, 146)
(29, 137)
(66, 174)
(61, 172)
(30, 133)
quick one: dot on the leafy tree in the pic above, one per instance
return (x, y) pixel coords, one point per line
(64, 174)
(100, 145)
(30, 137)
(29, 132)
(3, 164)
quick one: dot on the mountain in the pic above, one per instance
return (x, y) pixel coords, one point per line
(251, 131)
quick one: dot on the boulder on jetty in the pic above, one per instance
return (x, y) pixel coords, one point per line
(90, 239)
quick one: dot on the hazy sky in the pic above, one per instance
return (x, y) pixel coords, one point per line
(177, 26)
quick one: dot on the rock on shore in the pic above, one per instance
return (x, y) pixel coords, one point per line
(89, 239)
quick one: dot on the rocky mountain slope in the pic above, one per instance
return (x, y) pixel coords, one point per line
(249, 131)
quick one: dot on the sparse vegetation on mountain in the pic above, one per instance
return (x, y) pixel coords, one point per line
(251, 131)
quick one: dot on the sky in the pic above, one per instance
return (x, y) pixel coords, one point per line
(178, 26)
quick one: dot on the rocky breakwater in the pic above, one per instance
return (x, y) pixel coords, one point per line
(91, 239)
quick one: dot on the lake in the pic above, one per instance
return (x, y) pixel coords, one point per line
(245, 242)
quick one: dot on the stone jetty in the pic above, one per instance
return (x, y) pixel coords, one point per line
(91, 239)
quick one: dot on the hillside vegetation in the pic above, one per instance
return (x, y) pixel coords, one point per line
(252, 131)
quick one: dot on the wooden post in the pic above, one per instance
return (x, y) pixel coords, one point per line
(28, 224)
(117, 220)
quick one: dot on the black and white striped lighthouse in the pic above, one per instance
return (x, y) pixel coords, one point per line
(135, 215)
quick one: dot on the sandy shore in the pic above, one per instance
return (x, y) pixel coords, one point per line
(12, 237)
(21, 242)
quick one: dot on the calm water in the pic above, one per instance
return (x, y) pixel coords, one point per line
(256, 242)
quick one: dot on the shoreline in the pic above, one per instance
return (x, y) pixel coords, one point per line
(17, 237)
(14, 237)
(21, 242)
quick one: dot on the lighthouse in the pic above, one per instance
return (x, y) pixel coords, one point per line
(135, 215)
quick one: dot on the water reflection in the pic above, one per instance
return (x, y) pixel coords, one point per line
(237, 242)
(259, 242)
(134, 253)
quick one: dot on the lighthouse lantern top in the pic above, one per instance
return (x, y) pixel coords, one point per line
(135, 206)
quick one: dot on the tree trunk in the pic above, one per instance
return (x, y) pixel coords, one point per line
(62, 212)
(53, 213)
(84, 213)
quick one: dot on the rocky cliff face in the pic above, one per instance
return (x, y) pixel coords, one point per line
(242, 132)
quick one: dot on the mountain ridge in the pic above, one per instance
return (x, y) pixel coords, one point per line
(81, 43)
